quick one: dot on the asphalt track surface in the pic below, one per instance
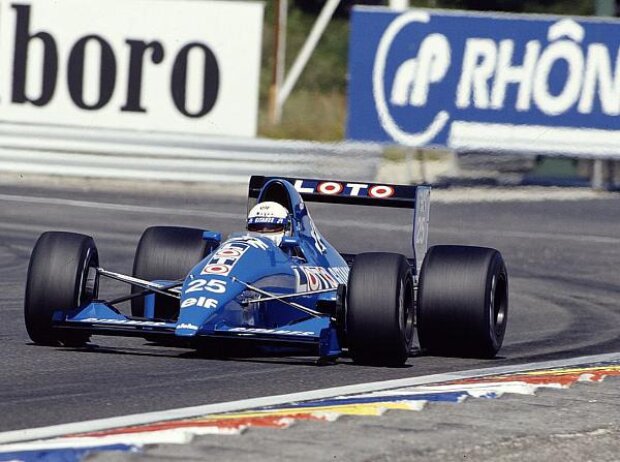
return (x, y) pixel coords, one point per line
(562, 257)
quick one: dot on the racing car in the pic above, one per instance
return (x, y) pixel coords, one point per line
(293, 293)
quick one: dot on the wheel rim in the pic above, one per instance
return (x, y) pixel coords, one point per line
(88, 288)
(405, 307)
(89, 280)
(499, 304)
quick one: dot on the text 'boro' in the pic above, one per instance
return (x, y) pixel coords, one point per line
(140, 65)
(142, 53)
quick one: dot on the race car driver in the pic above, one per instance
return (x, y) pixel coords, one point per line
(270, 219)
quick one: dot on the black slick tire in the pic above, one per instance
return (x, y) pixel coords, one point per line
(462, 301)
(379, 309)
(61, 277)
(166, 253)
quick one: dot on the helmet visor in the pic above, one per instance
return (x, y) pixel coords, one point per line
(266, 225)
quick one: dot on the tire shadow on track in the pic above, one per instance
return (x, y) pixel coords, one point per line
(229, 355)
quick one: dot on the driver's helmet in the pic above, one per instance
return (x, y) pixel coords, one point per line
(269, 219)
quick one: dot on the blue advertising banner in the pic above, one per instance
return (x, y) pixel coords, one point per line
(485, 81)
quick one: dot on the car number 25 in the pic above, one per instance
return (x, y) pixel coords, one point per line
(216, 286)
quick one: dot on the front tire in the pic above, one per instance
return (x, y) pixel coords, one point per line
(166, 253)
(462, 301)
(61, 277)
(379, 309)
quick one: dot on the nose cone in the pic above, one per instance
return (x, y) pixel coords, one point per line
(204, 301)
(200, 312)
(210, 293)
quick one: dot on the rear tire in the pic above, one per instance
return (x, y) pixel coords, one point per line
(61, 277)
(462, 301)
(166, 253)
(379, 309)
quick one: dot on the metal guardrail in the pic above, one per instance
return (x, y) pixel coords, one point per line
(104, 153)
(154, 156)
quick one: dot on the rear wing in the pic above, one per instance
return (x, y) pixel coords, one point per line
(365, 193)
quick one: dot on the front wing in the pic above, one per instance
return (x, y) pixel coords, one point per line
(317, 335)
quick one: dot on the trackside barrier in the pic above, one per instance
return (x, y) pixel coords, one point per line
(114, 154)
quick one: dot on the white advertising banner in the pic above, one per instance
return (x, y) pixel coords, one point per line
(160, 65)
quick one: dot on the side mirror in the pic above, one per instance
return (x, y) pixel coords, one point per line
(289, 242)
(213, 237)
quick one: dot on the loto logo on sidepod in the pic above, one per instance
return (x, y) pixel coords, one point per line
(407, 85)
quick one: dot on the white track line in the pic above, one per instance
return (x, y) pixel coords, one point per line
(32, 434)
(116, 207)
(518, 194)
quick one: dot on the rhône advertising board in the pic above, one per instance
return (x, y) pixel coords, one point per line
(485, 81)
(165, 65)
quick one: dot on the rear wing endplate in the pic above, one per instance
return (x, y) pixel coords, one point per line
(365, 193)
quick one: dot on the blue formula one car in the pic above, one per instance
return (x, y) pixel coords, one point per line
(293, 294)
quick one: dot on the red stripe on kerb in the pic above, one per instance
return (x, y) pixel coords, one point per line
(544, 378)
(278, 421)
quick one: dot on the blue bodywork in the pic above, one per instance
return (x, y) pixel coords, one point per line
(215, 305)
